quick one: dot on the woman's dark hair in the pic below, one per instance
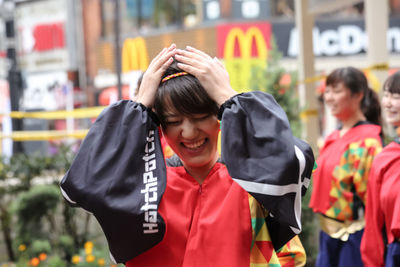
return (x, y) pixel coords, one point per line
(183, 93)
(392, 83)
(353, 79)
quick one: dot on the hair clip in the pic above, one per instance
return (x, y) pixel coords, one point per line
(174, 75)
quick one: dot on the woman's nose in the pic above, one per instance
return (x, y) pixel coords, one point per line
(188, 129)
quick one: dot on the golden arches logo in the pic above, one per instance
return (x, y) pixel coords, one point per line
(240, 68)
(245, 41)
(134, 55)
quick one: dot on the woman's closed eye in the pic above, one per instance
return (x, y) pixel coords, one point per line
(201, 117)
(172, 122)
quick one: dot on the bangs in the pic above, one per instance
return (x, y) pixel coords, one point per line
(334, 78)
(351, 78)
(392, 84)
(185, 95)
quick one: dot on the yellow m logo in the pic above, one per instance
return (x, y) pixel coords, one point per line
(239, 68)
(245, 41)
(134, 55)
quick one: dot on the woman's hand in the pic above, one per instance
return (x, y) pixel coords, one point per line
(152, 77)
(209, 71)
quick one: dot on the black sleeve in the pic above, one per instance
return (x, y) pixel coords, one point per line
(264, 157)
(119, 176)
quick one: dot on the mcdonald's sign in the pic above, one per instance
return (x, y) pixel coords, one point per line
(243, 46)
(134, 55)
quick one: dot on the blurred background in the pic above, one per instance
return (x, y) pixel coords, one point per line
(62, 61)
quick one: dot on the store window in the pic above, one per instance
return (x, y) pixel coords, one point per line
(141, 16)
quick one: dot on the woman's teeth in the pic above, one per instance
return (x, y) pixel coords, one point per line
(195, 144)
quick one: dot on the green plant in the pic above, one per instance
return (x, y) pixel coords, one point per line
(33, 208)
(90, 256)
(30, 204)
(56, 261)
(5, 214)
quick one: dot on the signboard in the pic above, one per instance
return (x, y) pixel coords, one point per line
(45, 91)
(134, 55)
(42, 35)
(243, 46)
(334, 38)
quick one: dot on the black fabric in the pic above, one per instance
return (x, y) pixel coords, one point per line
(259, 151)
(108, 176)
(119, 175)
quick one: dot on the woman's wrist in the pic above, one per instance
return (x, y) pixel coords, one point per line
(145, 101)
(222, 97)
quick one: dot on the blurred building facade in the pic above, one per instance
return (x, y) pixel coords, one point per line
(76, 39)
(66, 49)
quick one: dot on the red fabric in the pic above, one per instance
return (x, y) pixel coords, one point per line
(330, 154)
(206, 225)
(383, 205)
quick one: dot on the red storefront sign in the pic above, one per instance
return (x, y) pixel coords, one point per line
(49, 36)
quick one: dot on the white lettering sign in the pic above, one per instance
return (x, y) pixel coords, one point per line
(345, 40)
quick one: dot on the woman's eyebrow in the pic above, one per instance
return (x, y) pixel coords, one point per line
(169, 115)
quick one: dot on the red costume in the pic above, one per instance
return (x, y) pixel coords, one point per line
(383, 206)
(339, 191)
(342, 172)
(156, 215)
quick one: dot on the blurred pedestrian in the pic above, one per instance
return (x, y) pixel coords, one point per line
(200, 212)
(382, 222)
(340, 180)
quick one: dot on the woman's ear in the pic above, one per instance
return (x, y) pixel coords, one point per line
(359, 96)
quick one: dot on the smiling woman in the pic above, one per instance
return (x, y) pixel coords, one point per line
(197, 209)
(381, 240)
(189, 121)
(340, 181)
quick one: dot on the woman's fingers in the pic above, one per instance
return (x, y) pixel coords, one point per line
(195, 57)
(164, 56)
(166, 64)
(209, 71)
(198, 52)
(219, 62)
(153, 74)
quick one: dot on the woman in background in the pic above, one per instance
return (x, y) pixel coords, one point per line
(340, 180)
(382, 222)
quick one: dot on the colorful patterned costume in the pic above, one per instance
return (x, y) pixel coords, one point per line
(292, 254)
(158, 215)
(383, 208)
(339, 190)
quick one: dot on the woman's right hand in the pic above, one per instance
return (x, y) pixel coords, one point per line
(211, 73)
(152, 77)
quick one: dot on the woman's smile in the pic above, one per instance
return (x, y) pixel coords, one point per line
(195, 146)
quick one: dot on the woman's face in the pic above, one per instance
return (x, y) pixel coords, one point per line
(391, 107)
(341, 102)
(193, 138)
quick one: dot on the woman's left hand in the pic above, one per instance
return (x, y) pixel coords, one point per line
(209, 71)
(152, 76)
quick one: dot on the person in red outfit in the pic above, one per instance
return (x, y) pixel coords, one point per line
(194, 209)
(340, 180)
(382, 222)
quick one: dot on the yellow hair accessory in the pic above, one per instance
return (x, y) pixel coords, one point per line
(174, 75)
